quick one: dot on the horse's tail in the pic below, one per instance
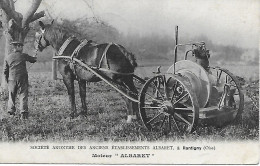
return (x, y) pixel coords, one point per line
(132, 59)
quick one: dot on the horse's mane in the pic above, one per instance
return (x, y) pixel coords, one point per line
(56, 33)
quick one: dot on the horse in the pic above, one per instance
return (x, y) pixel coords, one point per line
(119, 65)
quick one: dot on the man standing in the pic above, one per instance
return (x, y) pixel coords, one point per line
(16, 76)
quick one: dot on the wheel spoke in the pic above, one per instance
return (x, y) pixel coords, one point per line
(180, 99)
(184, 109)
(218, 76)
(231, 80)
(233, 85)
(165, 87)
(169, 120)
(176, 124)
(152, 102)
(164, 118)
(173, 89)
(182, 118)
(154, 118)
(154, 98)
(148, 102)
(158, 89)
(227, 78)
(229, 84)
(151, 107)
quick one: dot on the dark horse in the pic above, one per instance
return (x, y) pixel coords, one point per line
(118, 63)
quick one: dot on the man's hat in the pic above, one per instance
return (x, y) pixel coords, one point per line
(16, 43)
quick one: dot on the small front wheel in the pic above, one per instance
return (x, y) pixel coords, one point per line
(168, 105)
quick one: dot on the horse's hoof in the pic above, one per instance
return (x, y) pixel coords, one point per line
(138, 117)
(83, 113)
(130, 118)
(73, 115)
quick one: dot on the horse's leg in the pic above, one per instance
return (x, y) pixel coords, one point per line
(132, 107)
(82, 93)
(69, 83)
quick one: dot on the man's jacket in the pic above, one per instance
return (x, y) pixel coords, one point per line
(15, 66)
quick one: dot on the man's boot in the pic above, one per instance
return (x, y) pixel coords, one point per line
(24, 115)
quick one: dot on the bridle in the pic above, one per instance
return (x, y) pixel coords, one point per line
(39, 37)
(40, 47)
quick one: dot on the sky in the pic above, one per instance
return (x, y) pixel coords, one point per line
(235, 22)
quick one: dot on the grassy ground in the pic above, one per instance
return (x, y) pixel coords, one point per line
(49, 120)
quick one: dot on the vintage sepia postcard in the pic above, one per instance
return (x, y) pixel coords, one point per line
(129, 81)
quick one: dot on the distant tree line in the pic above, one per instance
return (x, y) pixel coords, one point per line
(153, 47)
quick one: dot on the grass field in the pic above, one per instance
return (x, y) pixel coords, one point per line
(49, 118)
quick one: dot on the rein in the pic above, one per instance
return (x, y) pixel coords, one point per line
(35, 55)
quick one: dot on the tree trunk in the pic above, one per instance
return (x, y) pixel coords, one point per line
(16, 26)
(11, 34)
(4, 83)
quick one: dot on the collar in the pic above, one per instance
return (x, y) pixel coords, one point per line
(65, 44)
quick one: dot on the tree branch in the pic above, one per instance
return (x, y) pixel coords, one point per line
(11, 4)
(36, 16)
(5, 6)
(28, 16)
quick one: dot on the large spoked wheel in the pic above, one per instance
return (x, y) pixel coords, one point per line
(168, 105)
(226, 91)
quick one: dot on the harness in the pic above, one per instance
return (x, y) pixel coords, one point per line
(76, 52)
(78, 48)
(65, 45)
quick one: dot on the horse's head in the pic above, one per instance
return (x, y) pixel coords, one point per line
(41, 42)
